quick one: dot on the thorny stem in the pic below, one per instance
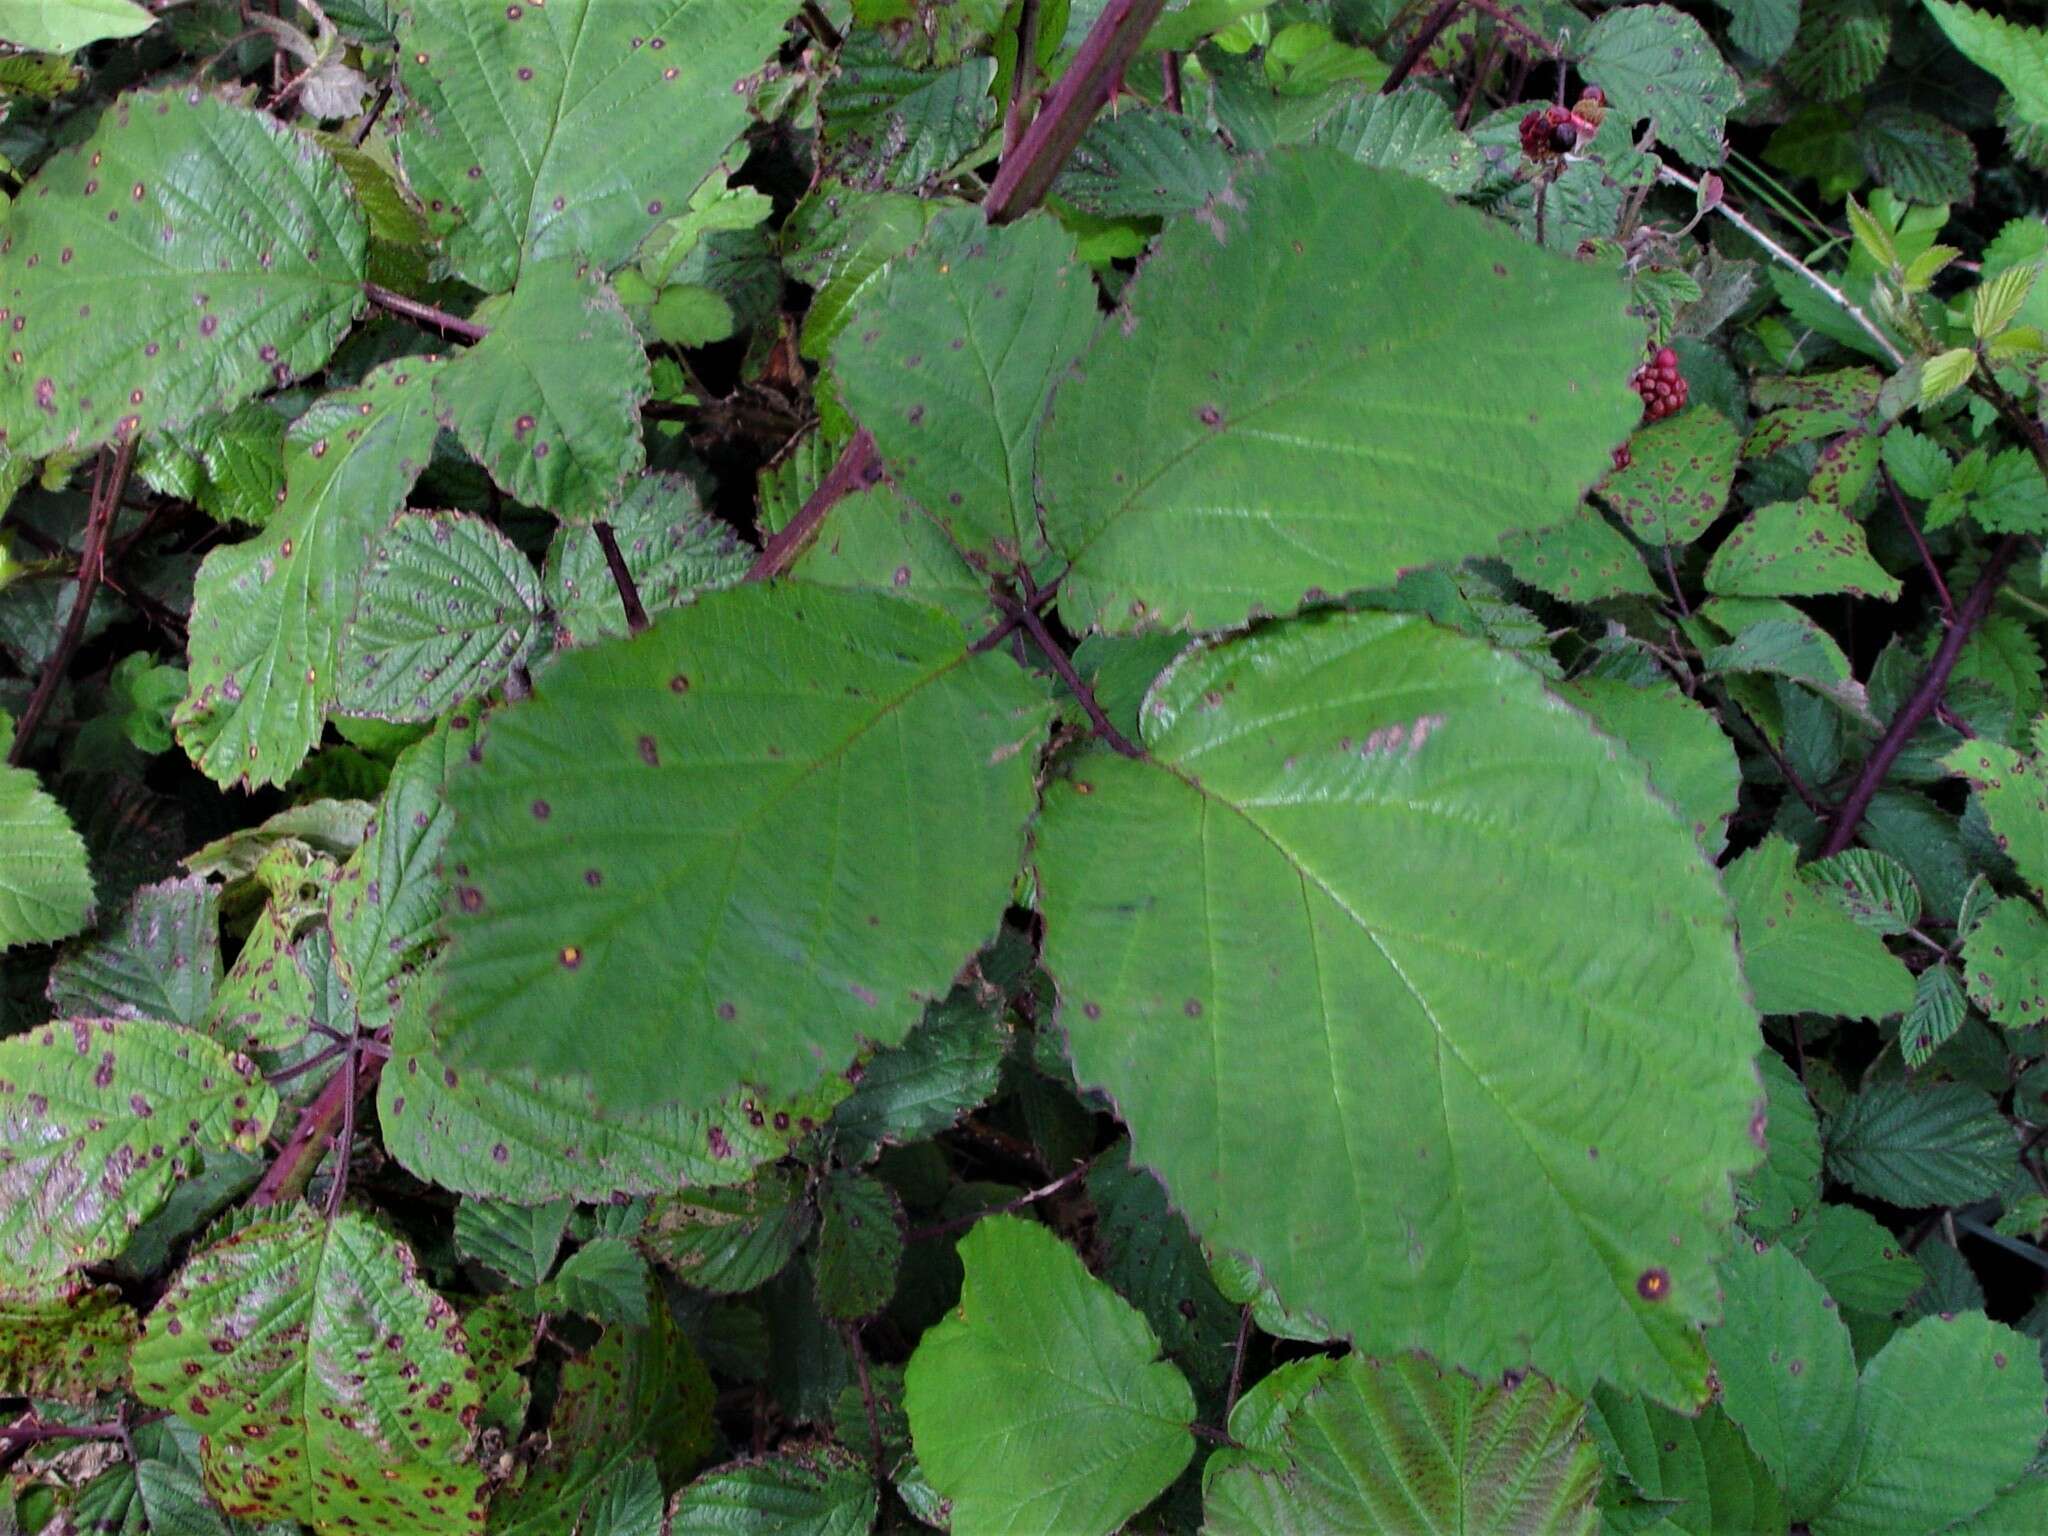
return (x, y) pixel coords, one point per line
(376, 111)
(424, 314)
(1169, 80)
(1432, 28)
(1244, 1338)
(1210, 1433)
(1024, 176)
(858, 467)
(287, 1178)
(1677, 591)
(622, 578)
(109, 480)
(1924, 699)
(1013, 620)
(1023, 79)
(24, 1434)
(1948, 607)
(1785, 258)
(1515, 24)
(1029, 1197)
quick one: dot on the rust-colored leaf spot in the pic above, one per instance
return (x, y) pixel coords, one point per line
(649, 753)
(571, 957)
(727, 1012)
(1654, 1284)
(470, 898)
(542, 810)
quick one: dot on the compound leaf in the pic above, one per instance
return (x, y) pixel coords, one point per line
(187, 255)
(98, 1119)
(320, 1357)
(1204, 461)
(1041, 1361)
(1383, 1445)
(775, 824)
(513, 110)
(1290, 769)
(1921, 1144)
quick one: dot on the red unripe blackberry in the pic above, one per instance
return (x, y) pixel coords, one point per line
(1661, 385)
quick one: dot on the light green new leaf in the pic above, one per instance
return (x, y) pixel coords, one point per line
(320, 1357)
(1948, 1413)
(98, 1119)
(162, 963)
(1787, 1185)
(673, 550)
(1677, 480)
(1798, 549)
(267, 615)
(2005, 963)
(2017, 55)
(549, 402)
(448, 605)
(1401, 1445)
(68, 1341)
(772, 826)
(1040, 1405)
(1659, 63)
(573, 128)
(187, 255)
(524, 1136)
(45, 887)
(1801, 951)
(1787, 1371)
(812, 1490)
(1230, 956)
(65, 26)
(1922, 1144)
(1690, 758)
(948, 362)
(1350, 413)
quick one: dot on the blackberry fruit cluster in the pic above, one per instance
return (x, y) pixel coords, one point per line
(1661, 385)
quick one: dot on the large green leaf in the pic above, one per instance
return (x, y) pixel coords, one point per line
(948, 362)
(2005, 962)
(98, 1119)
(1657, 62)
(64, 26)
(1787, 1372)
(1401, 1445)
(1326, 378)
(1677, 478)
(2012, 787)
(267, 615)
(524, 1135)
(45, 886)
(1411, 131)
(333, 1386)
(571, 128)
(1326, 901)
(775, 824)
(448, 605)
(2016, 54)
(1948, 1413)
(1787, 1185)
(1802, 952)
(1690, 758)
(187, 255)
(811, 1490)
(1859, 1262)
(549, 402)
(1040, 1404)
(1670, 1473)
(1798, 549)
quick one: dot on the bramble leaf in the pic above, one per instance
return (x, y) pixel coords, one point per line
(1291, 767)
(319, 1356)
(45, 886)
(810, 1490)
(1369, 1445)
(511, 109)
(1801, 951)
(746, 892)
(1203, 464)
(98, 1119)
(186, 256)
(1659, 63)
(1921, 1144)
(1040, 1359)
(65, 26)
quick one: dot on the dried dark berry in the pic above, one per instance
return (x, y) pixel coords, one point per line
(1564, 137)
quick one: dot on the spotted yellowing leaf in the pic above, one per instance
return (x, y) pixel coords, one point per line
(1410, 1032)
(187, 255)
(99, 1118)
(332, 1385)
